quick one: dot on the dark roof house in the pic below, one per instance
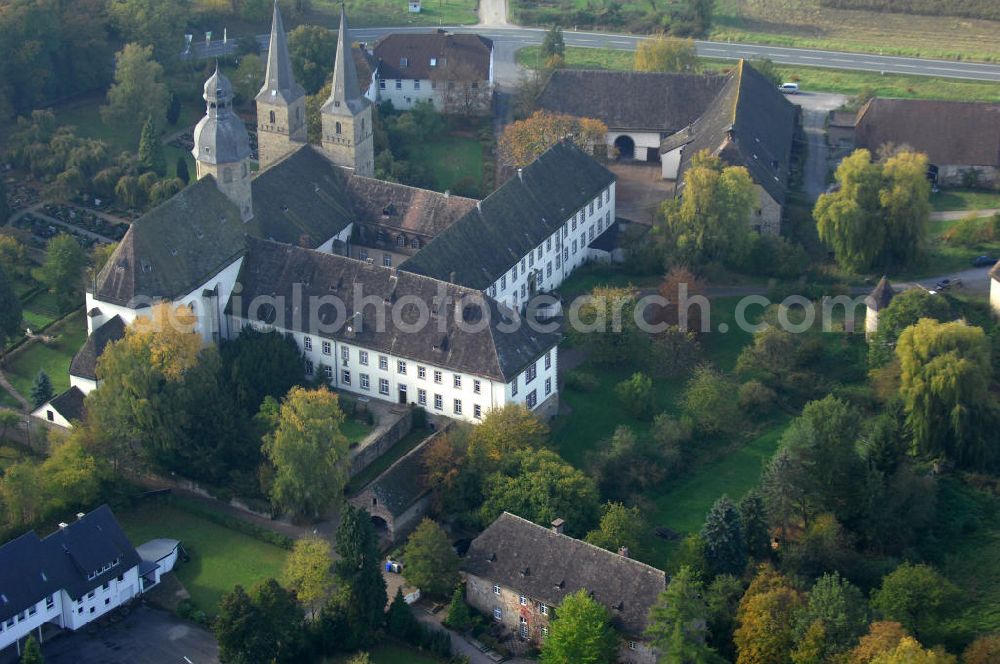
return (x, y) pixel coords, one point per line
(398, 206)
(749, 123)
(84, 364)
(423, 56)
(881, 297)
(547, 566)
(70, 559)
(644, 101)
(513, 220)
(301, 278)
(949, 132)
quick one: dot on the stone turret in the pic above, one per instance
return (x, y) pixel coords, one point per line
(281, 102)
(347, 115)
(876, 301)
(221, 146)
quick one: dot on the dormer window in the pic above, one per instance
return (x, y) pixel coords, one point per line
(434, 62)
(403, 62)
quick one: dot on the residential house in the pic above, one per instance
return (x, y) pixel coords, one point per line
(961, 139)
(63, 409)
(452, 71)
(751, 124)
(640, 109)
(69, 578)
(518, 573)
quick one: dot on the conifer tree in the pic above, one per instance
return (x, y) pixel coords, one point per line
(725, 548)
(151, 149)
(41, 389)
(182, 170)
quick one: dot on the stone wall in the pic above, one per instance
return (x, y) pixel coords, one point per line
(379, 442)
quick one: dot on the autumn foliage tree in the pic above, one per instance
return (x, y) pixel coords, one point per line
(661, 53)
(525, 140)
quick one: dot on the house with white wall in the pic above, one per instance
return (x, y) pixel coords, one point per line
(452, 71)
(69, 578)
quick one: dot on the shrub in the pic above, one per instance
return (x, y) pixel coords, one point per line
(581, 381)
(756, 398)
(636, 395)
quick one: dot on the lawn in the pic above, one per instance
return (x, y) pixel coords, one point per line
(943, 257)
(964, 199)
(394, 453)
(809, 78)
(363, 13)
(40, 309)
(86, 117)
(451, 159)
(587, 277)
(390, 653)
(355, 430)
(221, 558)
(23, 365)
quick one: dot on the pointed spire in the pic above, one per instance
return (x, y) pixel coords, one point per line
(345, 75)
(279, 79)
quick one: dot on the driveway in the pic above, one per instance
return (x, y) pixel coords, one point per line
(145, 636)
(815, 108)
(492, 12)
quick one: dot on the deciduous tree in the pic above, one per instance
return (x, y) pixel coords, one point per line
(260, 364)
(249, 77)
(525, 140)
(158, 24)
(504, 431)
(620, 527)
(708, 400)
(459, 617)
(881, 637)
(984, 650)
(904, 310)
(62, 271)
(916, 596)
(909, 651)
(32, 653)
(309, 572)
(766, 632)
(429, 561)
(606, 323)
(308, 452)
(580, 633)
(312, 49)
(666, 54)
(840, 608)
(138, 92)
(553, 44)
(636, 395)
(10, 312)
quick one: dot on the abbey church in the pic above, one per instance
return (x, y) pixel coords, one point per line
(315, 247)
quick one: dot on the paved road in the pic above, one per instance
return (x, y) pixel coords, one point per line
(516, 37)
(815, 108)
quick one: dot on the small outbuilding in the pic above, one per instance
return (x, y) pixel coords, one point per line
(158, 557)
(876, 301)
(62, 410)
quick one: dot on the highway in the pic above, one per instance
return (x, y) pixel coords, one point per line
(510, 38)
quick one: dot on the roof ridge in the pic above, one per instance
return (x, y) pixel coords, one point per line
(584, 542)
(442, 194)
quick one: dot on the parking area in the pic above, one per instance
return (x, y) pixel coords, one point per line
(144, 636)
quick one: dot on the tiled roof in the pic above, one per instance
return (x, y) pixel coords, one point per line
(547, 566)
(69, 404)
(302, 278)
(882, 295)
(949, 132)
(84, 364)
(32, 568)
(749, 123)
(447, 50)
(402, 483)
(406, 208)
(648, 101)
(513, 220)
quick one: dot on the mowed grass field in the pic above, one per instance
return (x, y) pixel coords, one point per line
(816, 79)
(221, 558)
(54, 358)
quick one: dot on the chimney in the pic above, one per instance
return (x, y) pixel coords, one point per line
(451, 277)
(62, 524)
(447, 193)
(520, 174)
(479, 206)
(558, 525)
(80, 515)
(623, 551)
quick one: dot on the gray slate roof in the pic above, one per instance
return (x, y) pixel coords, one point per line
(345, 93)
(84, 364)
(272, 269)
(278, 79)
(405, 208)
(881, 297)
(950, 132)
(750, 123)
(70, 404)
(546, 566)
(469, 53)
(32, 568)
(178, 245)
(402, 483)
(657, 102)
(513, 220)
(220, 137)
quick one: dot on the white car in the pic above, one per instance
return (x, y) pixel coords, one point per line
(789, 88)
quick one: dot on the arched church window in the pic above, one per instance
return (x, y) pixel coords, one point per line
(272, 117)
(337, 127)
(227, 175)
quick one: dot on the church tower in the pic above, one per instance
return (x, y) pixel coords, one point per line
(281, 103)
(221, 146)
(346, 115)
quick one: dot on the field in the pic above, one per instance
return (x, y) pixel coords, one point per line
(958, 199)
(220, 558)
(362, 13)
(22, 366)
(452, 159)
(809, 78)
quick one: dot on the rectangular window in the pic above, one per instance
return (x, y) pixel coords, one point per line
(590, 234)
(513, 273)
(566, 252)
(632, 645)
(365, 382)
(531, 373)
(497, 613)
(493, 290)
(522, 600)
(539, 252)
(33, 610)
(477, 387)
(401, 367)
(309, 368)
(524, 290)
(416, 85)
(503, 282)
(438, 402)
(548, 269)
(345, 377)
(421, 372)
(327, 349)
(574, 247)
(513, 387)
(600, 224)
(363, 255)
(496, 589)
(399, 84)
(543, 609)
(477, 411)
(545, 631)
(437, 377)
(328, 372)
(383, 362)
(345, 354)
(422, 397)
(383, 386)
(458, 381)
(548, 243)
(531, 260)
(458, 406)
(523, 268)
(558, 260)
(531, 400)
(573, 224)
(565, 231)
(591, 207)
(363, 357)
(381, 84)
(607, 218)
(386, 260)
(548, 386)
(607, 194)
(307, 343)
(538, 280)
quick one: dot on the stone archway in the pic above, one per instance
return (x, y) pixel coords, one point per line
(625, 146)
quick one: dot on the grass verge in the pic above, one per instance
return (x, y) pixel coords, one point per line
(221, 557)
(964, 199)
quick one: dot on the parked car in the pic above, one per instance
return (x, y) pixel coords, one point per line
(789, 88)
(945, 284)
(983, 261)
(394, 566)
